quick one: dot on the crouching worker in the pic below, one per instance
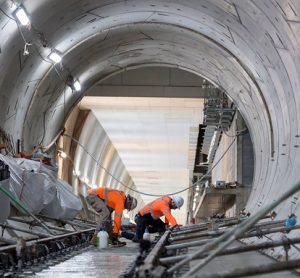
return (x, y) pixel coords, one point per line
(105, 201)
(149, 216)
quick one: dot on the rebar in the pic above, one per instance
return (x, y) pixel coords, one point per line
(230, 236)
(188, 244)
(43, 240)
(32, 223)
(198, 235)
(7, 241)
(204, 227)
(234, 250)
(246, 235)
(253, 270)
(7, 226)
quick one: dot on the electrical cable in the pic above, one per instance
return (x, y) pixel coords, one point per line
(144, 193)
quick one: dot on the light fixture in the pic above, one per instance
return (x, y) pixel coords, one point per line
(22, 17)
(77, 86)
(63, 154)
(54, 57)
(73, 83)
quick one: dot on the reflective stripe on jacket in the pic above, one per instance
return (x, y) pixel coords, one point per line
(158, 208)
(114, 199)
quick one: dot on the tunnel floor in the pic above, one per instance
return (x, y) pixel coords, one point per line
(112, 262)
(105, 263)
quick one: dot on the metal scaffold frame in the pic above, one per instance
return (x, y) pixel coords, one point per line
(166, 260)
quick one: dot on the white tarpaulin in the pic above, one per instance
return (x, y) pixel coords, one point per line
(36, 185)
(65, 205)
(34, 189)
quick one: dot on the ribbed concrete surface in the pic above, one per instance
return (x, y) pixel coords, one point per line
(107, 263)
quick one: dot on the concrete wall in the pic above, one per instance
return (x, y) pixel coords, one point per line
(249, 48)
(112, 170)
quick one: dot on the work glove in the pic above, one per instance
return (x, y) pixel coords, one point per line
(175, 228)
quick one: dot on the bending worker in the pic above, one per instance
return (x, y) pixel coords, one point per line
(105, 200)
(149, 215)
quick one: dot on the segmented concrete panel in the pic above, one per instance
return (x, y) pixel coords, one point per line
(249, 48)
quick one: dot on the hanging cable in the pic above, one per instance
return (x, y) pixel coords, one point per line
(144, 193)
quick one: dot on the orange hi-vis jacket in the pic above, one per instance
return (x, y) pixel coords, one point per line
(158, 208)
(114, 199)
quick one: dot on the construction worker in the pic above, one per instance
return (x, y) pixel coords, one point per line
(106, 200)
(149, 216)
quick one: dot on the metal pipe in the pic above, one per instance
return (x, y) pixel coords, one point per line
(234, 250)
(246, 235)
(35, 241)
(253, 270)
(188, 244)
(230, 236)
(223, 220)
(198, 229)
(153, 255)
(198, 235)
(86, 221)
(7, 226)
(7, 241)
(32, 223)
(269, 223)
(217, 233)
(68, 222)
(79, 224)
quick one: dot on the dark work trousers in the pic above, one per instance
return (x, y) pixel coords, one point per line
(154, 225)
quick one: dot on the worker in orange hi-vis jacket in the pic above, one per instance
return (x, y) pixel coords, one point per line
(149, 215)
(106, 200)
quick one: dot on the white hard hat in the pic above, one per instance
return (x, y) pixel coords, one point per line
(178, 201)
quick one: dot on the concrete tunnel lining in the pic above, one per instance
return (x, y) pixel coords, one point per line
(269, 61)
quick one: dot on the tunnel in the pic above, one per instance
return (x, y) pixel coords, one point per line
(249, 50)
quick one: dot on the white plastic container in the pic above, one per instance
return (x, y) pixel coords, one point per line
(102, 239)
(146, 235)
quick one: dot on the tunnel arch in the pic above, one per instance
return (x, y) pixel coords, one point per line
(269, 65)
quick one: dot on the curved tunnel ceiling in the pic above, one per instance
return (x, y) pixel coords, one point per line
(248, 48)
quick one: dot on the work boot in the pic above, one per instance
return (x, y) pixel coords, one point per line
(117, 243)
(135, 239)
(93, 240)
